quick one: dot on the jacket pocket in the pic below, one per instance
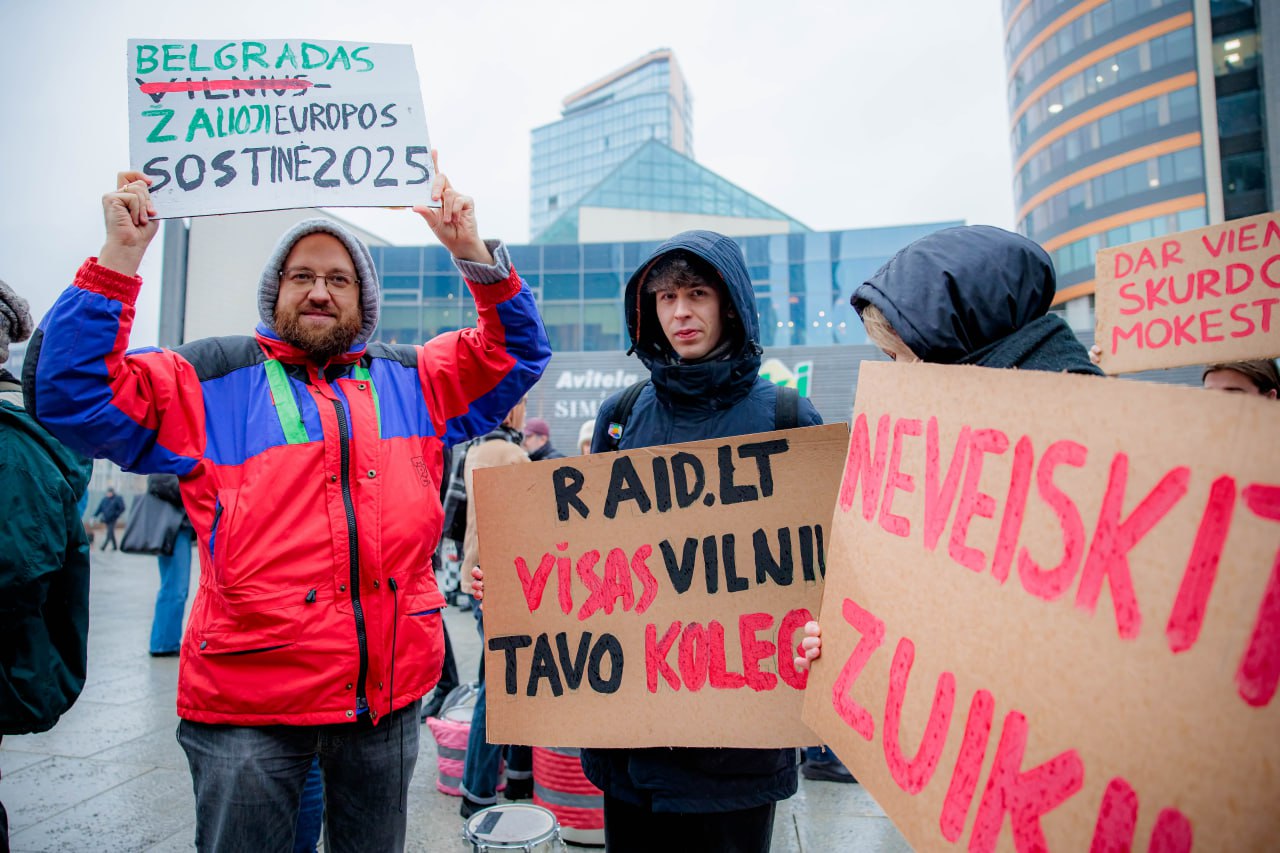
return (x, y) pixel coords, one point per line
(423, 604)
(252, 633)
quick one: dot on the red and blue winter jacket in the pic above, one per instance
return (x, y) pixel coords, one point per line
(314, 491)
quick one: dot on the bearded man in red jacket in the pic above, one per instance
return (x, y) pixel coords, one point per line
(309, 462)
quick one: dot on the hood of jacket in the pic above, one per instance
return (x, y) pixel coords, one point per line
(958, 290)
(716, 382)
(269, 285)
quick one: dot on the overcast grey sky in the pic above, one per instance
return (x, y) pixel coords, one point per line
(843, 114)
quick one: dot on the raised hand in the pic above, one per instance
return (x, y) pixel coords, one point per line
(130, 223)
(454, 222)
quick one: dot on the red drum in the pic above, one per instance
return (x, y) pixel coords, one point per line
(560, 786)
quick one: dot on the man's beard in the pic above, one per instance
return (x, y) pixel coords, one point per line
(319, 344)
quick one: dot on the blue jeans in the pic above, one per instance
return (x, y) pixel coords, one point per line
(171, 600)
(820, 755)
(484, 760)
(310, 811)
(249, 780)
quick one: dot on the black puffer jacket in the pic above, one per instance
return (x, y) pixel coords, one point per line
(689, 402)
(975, 295)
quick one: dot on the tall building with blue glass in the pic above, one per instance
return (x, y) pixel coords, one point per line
(1134, 118)
(600, 126)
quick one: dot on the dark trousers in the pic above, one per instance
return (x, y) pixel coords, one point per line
(111, 535)
(249, 783)
(631, 829)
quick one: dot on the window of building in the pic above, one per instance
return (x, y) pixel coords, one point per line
(1244, 173)
(1237, 52)
(1240, 113)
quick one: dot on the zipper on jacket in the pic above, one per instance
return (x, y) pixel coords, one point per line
(353, 544)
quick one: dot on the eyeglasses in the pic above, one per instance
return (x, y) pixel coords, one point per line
(305, 278)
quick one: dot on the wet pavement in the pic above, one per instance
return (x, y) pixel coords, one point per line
(110, 775)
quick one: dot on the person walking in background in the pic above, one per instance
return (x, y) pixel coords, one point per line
(584, 438)
(537, 441)
(309, 462)
(44, 559)
(175, 570)
(110, 508)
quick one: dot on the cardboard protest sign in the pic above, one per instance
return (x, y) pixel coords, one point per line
(1047, 625)
(656, 597)
(231, 126)
(1198, 297)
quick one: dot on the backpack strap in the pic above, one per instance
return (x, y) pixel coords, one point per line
(786, 410)
(622, 412)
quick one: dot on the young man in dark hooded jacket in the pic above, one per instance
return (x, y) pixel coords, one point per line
(969, 295)
(692, 319)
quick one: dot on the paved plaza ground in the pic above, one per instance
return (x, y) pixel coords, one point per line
(111, 776)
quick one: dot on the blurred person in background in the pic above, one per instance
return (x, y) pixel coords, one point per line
(537, 441)
(110, 508)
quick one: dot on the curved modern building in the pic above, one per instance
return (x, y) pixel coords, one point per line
(1130, 119)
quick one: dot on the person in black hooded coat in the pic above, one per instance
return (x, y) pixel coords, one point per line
(969, 295)
(708, 799)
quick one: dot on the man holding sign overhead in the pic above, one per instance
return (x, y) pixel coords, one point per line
(309, 462)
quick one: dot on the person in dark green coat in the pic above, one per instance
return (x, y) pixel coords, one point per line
(44, 559)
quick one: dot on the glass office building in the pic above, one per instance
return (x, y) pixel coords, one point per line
(603, 124)
(802, 285)
(1116, 129)
(659, 189)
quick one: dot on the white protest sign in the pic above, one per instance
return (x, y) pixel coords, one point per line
(228, 126)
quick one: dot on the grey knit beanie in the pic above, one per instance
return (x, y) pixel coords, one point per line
(15, 320)
(269, 287)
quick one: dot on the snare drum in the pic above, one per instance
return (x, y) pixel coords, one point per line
(513, 826)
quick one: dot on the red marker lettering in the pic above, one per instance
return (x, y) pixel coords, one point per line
(720, 677)
(1187, 616)
(534, 585)
(1051, 583)
(872, 631)
(1171, 834)
(1112, 540)
(1014, 509)
(912, 776)
(860, 464)
(694, 656)
(655, 656)
(755, 650)
(972, 501)
(595, 586)
(897, 524)
(964, 779)
(1023, 795)
(789, 649)
(647, 580)
(938, 499)
(1260, 667)
(617, 581)
(1117, 817)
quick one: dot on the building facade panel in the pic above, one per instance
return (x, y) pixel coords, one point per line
(1117, 131)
